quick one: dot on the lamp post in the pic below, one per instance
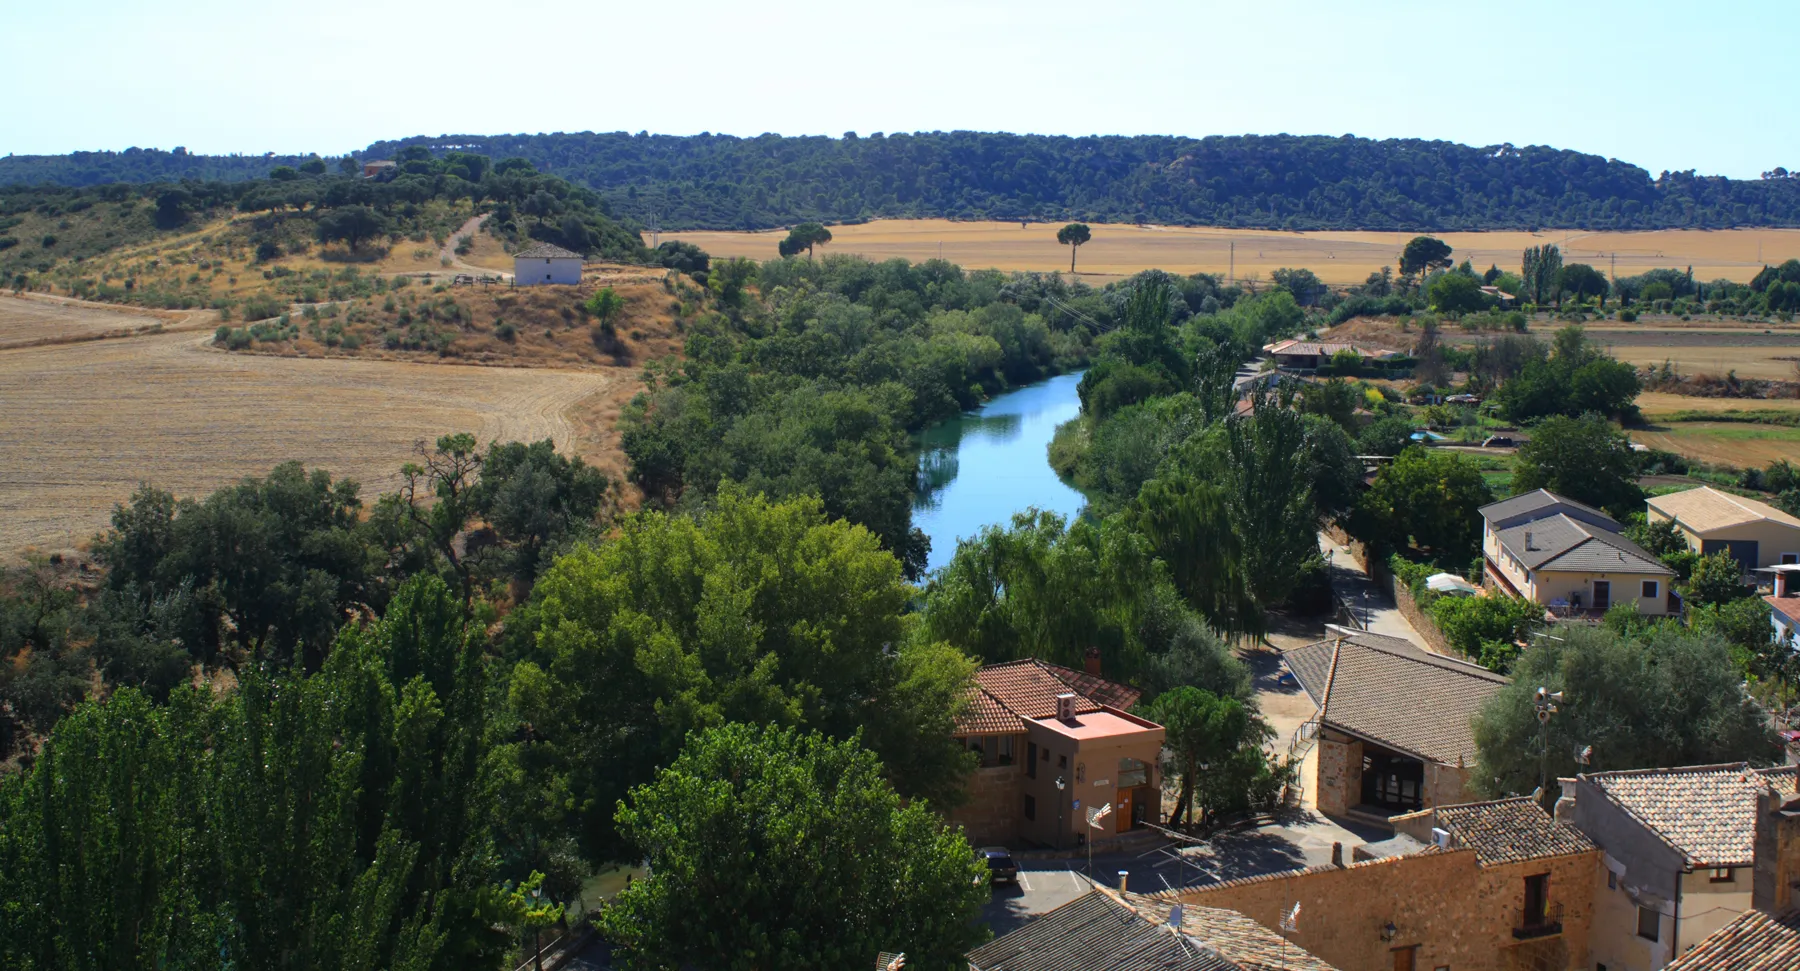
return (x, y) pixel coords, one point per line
(1547, 703)
(1061, 807)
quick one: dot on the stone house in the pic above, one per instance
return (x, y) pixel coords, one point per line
(1106, 930)
(1569, 557)
(542, 263)
(1393, 723)
(1054, 742)
(1756, 534)
(1766, 937)
(1679, 851)
(1494, 886)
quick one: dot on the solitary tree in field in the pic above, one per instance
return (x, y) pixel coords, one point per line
(603, 305)
(1424, 253)
(804, 237)
(1072, 236)
(352, 224)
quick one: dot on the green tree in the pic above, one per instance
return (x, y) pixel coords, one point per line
(1385, 436)
(1716, 579)
(352, 224)
(603, 305)
(1671, 698)
(1538, 268)
(769, 848)
(1207, 737)
(756, 611)
(1074, 235)
(1454, 293)
(804, 237)
(1581, 281)
(1423, 254)
(1486, 629)
(1426, 499)
(1587, 459)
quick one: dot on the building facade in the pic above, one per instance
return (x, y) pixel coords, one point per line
(543, 263)
(1053, 743)
(1756, 534)
(1569, 557)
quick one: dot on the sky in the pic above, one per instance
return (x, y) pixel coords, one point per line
(1660, 84)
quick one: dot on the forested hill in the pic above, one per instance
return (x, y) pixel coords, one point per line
(1279, 181)
(142, 165)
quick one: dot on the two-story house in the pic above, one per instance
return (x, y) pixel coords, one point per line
(1568, 556)
(1679, 854)
(1055, 742)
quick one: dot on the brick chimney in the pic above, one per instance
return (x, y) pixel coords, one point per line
(1092, 659)
(1776, 872)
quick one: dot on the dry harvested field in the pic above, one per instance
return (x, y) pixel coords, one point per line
(36, 320)
(1337, 257)
(1654, 403)
(1724, 443)
(86, 422)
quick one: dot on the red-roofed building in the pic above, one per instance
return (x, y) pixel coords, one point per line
(1035, 724)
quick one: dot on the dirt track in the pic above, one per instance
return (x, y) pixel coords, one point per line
(86, 422)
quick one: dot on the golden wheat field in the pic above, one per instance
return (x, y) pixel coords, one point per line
(1337, 257)
(33, 320)
(85, 423)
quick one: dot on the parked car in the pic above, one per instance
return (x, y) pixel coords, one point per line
(1001, 868)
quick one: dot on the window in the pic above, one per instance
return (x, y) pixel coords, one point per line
(1133, 773)
(1612, 880)
(1537, 899)
(1790, 559)
(1030, 806)
(1031, 759)
(1649, 922)
(1062, 761)
(1723, 875)
(1006, 750)
(1652, 589)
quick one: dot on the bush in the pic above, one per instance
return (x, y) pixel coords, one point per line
(221, 335)
(1627, 316)
(1484, 628)
(237, 339)
(506, 331)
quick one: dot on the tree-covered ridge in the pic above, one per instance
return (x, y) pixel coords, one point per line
(1276, 181)
(144, 165)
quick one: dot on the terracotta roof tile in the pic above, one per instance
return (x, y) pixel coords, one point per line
(985, 716)
(1509, 831)
(1755, 941)
(1396, 694)
(1706, 812)
(1006, 694)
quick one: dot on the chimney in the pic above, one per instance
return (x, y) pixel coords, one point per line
(1528, 540)
(1092, 659)
(1065, 706)
(1775, 875)
(1337, 855)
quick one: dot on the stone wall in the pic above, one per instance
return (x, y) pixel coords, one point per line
(1455, 912)
(1338, 785)
(1409, 608)
(994, 809)
(1446, 785)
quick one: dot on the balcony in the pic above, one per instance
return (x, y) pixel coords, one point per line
(1535, 931)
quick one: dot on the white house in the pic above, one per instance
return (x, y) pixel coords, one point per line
(543, 263)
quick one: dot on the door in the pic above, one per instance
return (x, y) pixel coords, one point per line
(1406, 958)
(1122, 812)
(1602, 594)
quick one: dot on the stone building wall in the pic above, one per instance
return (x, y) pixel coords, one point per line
(1339, 779)
(1455, 912)
(994, 809)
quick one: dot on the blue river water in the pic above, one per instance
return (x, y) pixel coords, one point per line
(978, 469)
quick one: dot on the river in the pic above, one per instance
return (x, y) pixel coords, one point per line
(978, 469)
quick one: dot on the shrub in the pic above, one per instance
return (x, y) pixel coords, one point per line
(506, 331)
(237, 339)
(1485, 628)
(221, 335)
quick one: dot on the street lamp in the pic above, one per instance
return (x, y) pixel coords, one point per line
(1547, 703)
(1061, 805)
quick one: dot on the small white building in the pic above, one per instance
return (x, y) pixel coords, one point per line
(543, 263)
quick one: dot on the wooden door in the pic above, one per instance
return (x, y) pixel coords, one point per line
(1405, 958)
(1602, 594)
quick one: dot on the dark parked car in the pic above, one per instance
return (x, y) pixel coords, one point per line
(1000, 863)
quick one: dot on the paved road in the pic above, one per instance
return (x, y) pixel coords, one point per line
(1373, 607)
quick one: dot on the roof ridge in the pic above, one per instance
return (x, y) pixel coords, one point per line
(1419, 655)
(1337, 650)
(1668, 770)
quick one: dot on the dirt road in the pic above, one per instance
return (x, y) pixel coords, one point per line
(456, 263)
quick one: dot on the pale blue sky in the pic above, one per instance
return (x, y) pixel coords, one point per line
(1664, 85)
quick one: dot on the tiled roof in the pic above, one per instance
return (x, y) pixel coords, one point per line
(1238, 938)
(1706, 509)
(546, 251)
(1510, 831)
(1094, 932)
(1706, 812)
(1028, 689)
(1561, 543)
(1787, 607)
(1755, 941)
(1324, 349)
(985, 716)
(1541, 500)
(1395, 694)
